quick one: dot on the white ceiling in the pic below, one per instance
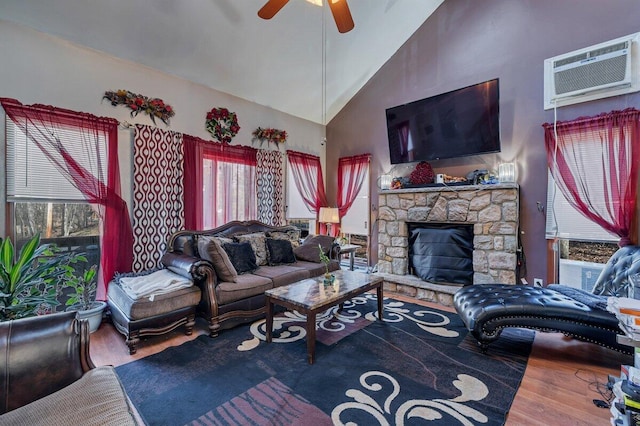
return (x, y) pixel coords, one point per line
(224, 45)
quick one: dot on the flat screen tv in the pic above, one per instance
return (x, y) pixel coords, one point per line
(454, 124)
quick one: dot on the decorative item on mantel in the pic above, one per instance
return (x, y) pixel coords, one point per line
(222, 124)
(270, 135)
(385, 181)
(399, 182)
(507, 172)
(155, 107)
(422, 175)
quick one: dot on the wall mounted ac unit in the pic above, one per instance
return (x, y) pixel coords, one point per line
(606, 69)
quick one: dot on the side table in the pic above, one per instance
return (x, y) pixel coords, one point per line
(351, 250)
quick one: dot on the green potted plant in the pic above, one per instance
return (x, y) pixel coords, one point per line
(82, 296)
(328, 277)
(31, 282)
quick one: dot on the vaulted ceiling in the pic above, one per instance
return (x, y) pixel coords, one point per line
(224, 45)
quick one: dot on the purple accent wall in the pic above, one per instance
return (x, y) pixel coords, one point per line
(466, 42)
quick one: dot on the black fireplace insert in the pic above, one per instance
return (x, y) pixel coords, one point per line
(441, 253)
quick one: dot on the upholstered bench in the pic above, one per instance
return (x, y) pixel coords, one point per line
(136, 318)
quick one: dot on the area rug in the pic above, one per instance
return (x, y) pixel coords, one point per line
(418, 366)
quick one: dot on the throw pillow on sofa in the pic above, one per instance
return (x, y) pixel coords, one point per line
(292, 235)
(241, 256)
(210, 249)
(309, 249)
(280, 252)
(258, 241)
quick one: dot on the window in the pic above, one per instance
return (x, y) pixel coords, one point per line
(593, 198)
(565, 222)
(75, 144)
(354, 225)
(297, 210)
(583, 246)
(229, 189)
(356, 220)
(43, 201)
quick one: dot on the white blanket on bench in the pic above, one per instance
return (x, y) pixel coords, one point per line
(157, 283)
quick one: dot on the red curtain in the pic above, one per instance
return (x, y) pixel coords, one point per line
(351, 174)
(307, 174)
(605, 194)
(230, 194)
(41, 123)
(193, 181)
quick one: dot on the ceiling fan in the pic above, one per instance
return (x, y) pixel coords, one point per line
(339, 10)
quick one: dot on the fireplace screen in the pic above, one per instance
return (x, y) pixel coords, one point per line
(441, 253)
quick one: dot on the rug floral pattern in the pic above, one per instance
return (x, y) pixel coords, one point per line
(417, 366)
(336, 320)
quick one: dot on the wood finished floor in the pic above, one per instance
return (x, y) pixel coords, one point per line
(558, 387)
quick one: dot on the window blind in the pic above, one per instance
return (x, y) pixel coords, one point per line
(32, 176)
(565, 222)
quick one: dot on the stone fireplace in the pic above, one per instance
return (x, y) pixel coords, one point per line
(491, 209)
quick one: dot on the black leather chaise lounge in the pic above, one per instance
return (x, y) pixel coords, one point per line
(487, 309)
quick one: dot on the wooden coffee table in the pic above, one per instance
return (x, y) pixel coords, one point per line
(311, 296)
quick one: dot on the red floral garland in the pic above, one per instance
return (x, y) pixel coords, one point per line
(270, 135)
(138, 103)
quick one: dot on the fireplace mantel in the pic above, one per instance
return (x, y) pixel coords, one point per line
(451, 188)
(492, 209)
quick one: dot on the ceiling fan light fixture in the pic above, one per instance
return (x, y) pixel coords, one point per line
(271, 7)
(342, 15)
(339, 10)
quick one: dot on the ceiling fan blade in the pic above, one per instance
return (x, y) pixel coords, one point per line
(271, 7)
(342, 15)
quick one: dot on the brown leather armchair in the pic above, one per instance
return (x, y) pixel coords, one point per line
(45, 366)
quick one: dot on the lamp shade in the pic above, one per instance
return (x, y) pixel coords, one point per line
(329, 215)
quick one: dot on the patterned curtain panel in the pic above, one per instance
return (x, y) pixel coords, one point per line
(270, 187)
(158, 207)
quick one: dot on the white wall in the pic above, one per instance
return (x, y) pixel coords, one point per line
(38, 68)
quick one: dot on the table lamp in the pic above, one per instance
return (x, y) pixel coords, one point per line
(329, 215)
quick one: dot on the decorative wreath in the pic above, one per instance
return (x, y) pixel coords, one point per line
(222, 124)
(138, 103)
(270, 135)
